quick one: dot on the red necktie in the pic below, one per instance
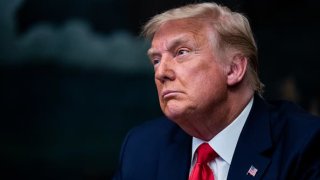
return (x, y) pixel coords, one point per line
(201, 170)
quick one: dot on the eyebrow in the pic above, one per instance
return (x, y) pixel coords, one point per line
(153, 52)
(181, 39)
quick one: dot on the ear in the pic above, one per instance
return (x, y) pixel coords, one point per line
(237, 69)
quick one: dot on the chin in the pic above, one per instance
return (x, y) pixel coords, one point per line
(176, 115)
(177, 111)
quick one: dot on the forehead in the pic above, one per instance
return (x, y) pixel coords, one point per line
(181, 29)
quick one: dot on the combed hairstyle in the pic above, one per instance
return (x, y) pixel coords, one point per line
(232, 28)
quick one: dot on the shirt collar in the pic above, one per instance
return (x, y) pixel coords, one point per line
(224, 143)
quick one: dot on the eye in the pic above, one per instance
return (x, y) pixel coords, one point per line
(181, 52)
(155, 61)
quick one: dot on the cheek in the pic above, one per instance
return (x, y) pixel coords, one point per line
(159, 89)
(158, 86)
(202, 85)
(209, 82)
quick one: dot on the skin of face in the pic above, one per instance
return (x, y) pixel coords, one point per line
(191, 80)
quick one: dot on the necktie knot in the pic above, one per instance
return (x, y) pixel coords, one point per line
(201, 170)
(205, 153)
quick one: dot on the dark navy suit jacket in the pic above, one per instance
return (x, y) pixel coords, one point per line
(279, 139)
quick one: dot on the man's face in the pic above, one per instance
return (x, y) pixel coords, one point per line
(189, 75)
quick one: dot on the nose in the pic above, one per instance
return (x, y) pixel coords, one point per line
(165, 70)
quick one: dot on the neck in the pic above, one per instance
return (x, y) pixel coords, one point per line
(206, 127)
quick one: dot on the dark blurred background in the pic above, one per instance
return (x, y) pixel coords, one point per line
(75, 77)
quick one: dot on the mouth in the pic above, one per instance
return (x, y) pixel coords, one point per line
(169, 94)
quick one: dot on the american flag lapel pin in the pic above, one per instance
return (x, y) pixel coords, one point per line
(252, 171)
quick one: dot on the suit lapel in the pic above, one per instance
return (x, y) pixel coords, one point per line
(174, 162)
(253, 144)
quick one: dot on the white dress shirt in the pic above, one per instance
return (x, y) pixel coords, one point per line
(224, 143)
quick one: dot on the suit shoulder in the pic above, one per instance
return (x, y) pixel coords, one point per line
(153, 131)
(294, 115)
(291, 121)
(158, 125)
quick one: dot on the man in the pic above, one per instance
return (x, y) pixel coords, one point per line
(217, 125)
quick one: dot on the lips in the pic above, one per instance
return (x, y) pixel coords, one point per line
(169, 93)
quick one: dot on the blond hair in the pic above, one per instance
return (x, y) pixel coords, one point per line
(232, 28)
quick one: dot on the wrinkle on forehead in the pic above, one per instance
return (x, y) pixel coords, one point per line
(181, 38)
(191, 25)
(182, 30)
